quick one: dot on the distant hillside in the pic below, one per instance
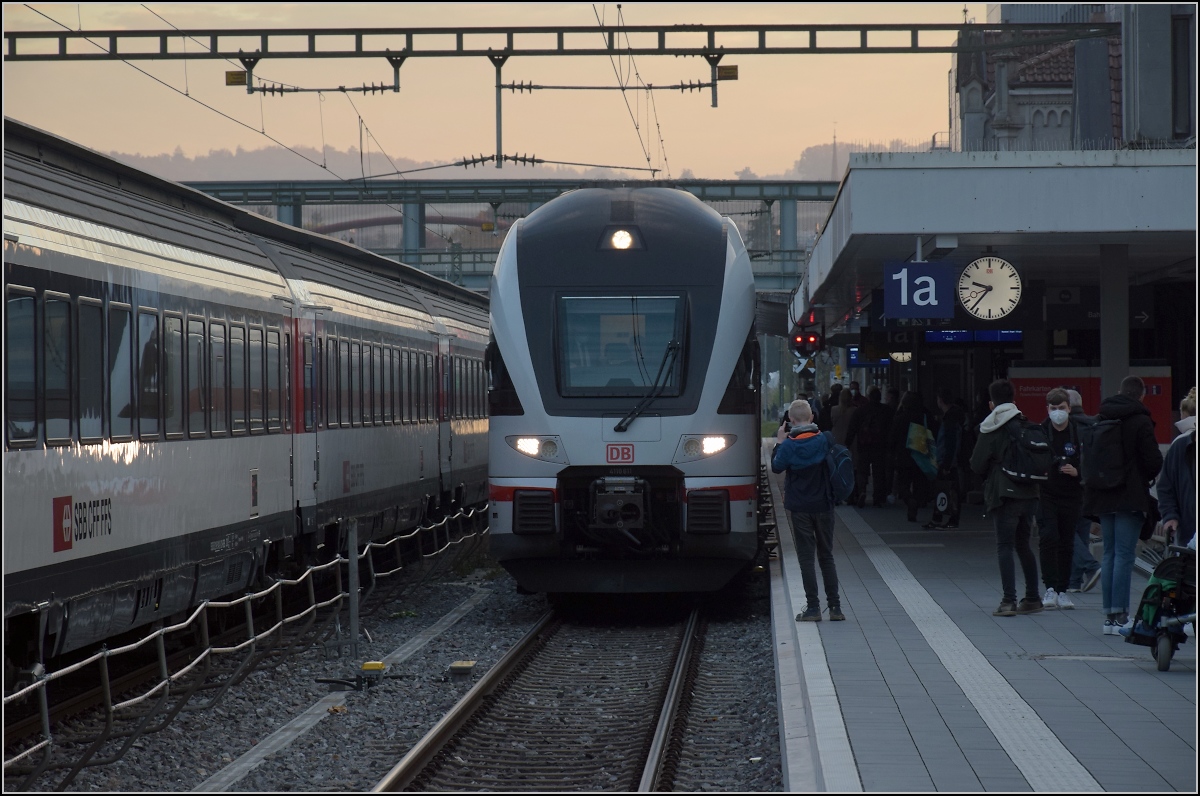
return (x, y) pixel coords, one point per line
(277, 163)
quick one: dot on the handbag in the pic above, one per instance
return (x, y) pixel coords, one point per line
(1150, 523)
(945, 498)
(920, 446)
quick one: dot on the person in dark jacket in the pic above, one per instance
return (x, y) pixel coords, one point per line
(1085, 569)
(949, 443)
(808, 501)
(911, 484)
(869, 431)
(825, 419)
(1123, 509)
(1011, 504)
(1177, 488)
(1060, 506)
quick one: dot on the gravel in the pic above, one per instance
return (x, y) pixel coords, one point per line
(355, 745)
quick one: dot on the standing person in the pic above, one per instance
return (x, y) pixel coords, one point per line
(808, 499)
(825, 419)
(1187, 413)
(911, 484)
(1085, 569)
(1061, 504)
(856, 397)
(1010, 503)
(1177, 488)
(1123, 508)
(842, 415)
(893, 399)
(869, 431)
(949, 444)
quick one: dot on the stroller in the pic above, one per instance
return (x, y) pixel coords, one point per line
(1168, 603)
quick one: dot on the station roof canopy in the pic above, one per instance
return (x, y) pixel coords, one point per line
(1046, 212)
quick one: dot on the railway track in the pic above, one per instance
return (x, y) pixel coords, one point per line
(572, 706)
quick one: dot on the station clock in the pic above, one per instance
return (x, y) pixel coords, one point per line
(989, 288)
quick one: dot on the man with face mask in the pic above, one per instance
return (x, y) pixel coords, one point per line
(1061, 501)
(856, 396)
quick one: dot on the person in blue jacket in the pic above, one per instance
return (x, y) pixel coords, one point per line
(809, 503)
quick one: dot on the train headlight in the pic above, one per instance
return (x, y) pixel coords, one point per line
(621, 239)
(700, 446)
(547, 448)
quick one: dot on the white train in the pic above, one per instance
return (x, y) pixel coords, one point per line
(623, 451)
(194, 394)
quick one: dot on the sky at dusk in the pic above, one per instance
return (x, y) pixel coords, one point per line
(445, 110)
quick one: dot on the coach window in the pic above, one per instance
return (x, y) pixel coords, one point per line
(355, 391)
(20, 391)
(377, 404)
(431, 388)
(120, 372)
(389, 385)
(285, 369)
(344, 383)
(197, 394)
(368, 394)
(173, 375)
(237, 378)
(91, 371)
(218, 379)
(148, 385)
(56, 358)
(274, 396)
(257, 402)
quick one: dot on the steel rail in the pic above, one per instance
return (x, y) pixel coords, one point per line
(666, 718)
(419, 756)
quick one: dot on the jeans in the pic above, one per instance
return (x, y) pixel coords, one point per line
(1120, 533)
(814, 539)
(874, 463)
(1082, 562)
(1057, 519)
(1012, 523)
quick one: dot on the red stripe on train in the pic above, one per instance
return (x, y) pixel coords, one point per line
(506, 494)
(736, 491)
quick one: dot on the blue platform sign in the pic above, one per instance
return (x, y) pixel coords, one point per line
(918, 290)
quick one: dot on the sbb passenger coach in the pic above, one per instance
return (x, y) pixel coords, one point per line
(623, 450)
(194, 394)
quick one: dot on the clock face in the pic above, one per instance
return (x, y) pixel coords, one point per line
(989, 288)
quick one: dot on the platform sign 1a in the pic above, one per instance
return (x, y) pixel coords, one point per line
(918, 290)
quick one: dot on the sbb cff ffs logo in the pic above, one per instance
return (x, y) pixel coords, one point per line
(620, 454)
(63, 522)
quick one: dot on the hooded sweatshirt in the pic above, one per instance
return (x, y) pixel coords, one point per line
(802, 456)
(1143, 459)
(989, 453)
(1177, 486)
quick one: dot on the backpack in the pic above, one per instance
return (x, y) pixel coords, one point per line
(873, 431)
(1028, 458)
(841, 471)
(1102, 455)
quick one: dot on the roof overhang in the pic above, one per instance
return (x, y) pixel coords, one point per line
(1046, 212)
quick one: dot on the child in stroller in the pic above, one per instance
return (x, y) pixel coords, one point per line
(1168, 603)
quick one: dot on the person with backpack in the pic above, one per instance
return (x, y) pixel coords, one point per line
(1061, 504)
(910, 482)
(809, 499)
(1120, 457)
(868, 430)
(1011, 503)
(1085, 569)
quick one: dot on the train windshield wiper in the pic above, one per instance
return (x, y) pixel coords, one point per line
(656, 388)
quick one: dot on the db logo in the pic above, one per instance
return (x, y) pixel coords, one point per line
(620, 454)
(63, 523)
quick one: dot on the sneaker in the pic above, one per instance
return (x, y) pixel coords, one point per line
(811, 614)
(952, 525)
(1050, 600)
(1092, 580)
(835, 614)
(1074, 590)
(1110, 627)
(1006, 609)
(1030, 605)
(1065, 603)
(932, 526)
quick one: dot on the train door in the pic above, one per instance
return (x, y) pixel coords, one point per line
(445, 414)
(306, 448)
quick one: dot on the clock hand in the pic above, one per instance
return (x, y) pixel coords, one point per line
(985, 287)
(977, 301)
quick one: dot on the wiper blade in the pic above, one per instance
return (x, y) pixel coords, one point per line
(656, 388)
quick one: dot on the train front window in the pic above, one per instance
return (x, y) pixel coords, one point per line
(615, 345)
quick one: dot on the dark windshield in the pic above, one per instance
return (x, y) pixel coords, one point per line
(613, 345)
